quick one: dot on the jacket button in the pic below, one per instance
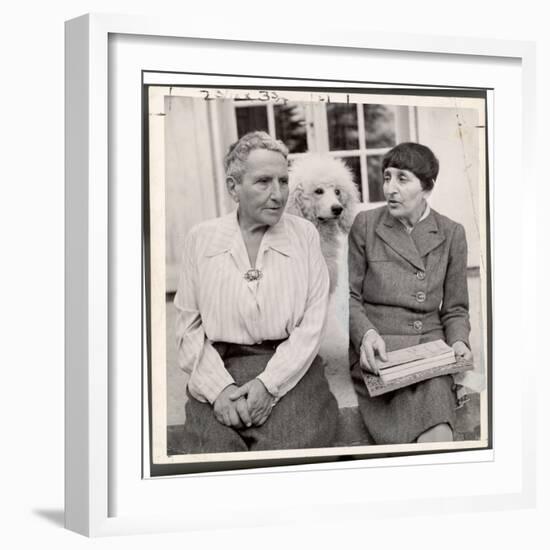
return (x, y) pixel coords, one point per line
(420, 275)
(417, 325)
(420, 296)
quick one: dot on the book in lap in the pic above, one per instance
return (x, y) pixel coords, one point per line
(408, 366)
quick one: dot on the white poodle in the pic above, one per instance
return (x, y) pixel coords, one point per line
(322, 190)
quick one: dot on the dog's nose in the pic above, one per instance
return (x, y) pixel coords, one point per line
(336, 209)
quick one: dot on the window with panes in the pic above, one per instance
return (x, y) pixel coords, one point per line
(359, 134)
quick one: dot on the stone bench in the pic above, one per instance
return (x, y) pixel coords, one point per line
(352, 433)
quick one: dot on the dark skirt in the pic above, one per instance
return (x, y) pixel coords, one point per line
(306, 417)
(402, 415)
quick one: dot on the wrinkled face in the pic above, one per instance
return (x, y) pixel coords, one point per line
(404, 194)
(263, 190)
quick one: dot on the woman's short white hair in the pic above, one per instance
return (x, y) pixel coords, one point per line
(238, 152)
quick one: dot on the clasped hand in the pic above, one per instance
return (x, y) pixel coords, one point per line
(248, 405)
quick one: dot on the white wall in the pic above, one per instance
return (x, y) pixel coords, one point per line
(453, 135)
(189, 175)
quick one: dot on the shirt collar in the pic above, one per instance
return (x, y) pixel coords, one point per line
(228, 237)
(423, 217)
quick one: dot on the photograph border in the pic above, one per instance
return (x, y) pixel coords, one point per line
(155, 395)
(90, 443)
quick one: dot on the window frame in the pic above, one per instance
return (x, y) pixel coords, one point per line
(317, 134)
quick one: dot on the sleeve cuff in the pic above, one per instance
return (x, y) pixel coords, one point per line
(458, 336)
(357, 331)
(270, 385)
(208, 391)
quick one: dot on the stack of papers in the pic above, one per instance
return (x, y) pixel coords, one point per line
(415, 359)
(411, 365)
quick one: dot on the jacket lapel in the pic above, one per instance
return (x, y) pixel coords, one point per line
(427, 235)
(392, 232)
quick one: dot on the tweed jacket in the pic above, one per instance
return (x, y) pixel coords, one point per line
(412, 288)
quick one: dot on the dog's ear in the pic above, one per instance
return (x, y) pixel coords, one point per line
(351, 199)
(299, 203)
(345, 221)
(295, 202)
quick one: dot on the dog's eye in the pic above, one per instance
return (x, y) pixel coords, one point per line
(337, 192)
(319, 190)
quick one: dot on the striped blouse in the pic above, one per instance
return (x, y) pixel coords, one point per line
(215, 303)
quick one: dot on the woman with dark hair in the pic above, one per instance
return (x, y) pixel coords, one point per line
(251, 306)
(408, 285)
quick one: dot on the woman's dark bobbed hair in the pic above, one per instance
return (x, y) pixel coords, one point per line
(416, 158)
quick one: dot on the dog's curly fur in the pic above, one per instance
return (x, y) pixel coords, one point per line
(322, 190)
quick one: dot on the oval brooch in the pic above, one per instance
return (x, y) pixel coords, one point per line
(253, 275)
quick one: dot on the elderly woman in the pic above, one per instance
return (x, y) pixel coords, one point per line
(407, 269)
(251, 307)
